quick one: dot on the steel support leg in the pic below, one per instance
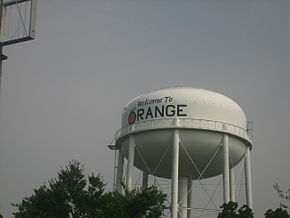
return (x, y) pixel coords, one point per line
(232, 185)
(182, 196)
(226, 176)
(189, 198)
(131, 152)
(120, 168)
(174, 175)
(248, 179)
(145, 180)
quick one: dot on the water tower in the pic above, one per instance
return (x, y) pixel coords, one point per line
(184, 134)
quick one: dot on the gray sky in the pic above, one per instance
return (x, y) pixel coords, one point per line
(62, 94)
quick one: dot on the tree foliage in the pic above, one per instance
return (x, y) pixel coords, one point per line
(146, 202)
(230, 210)
(73, 194)
(278, 213)
(284, 195)
(245, 212)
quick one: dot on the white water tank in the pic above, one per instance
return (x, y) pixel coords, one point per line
(200, 115)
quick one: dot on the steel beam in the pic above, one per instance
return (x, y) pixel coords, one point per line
(120, 168)
(182, 197)
(226, 174)
(145, 179)
(174, 175)
(232, 185)
(248, 179)
(131, 153)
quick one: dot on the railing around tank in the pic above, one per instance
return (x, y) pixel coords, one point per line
(187, 123)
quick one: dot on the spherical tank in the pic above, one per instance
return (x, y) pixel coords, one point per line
(201, 117)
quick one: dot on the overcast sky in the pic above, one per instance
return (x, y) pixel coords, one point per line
(62, 94)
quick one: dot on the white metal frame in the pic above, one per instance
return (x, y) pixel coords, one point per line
(181, 187)
(32, 21)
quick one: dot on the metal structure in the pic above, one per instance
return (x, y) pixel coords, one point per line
(17, 23)
(184, 134)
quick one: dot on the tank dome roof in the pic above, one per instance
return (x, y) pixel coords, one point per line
(184, 107)
(202, 117)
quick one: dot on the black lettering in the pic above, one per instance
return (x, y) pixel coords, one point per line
(158, 111)
(180, 110)
(140, 113)
(168, 99)
(170, 113)
(149, 113)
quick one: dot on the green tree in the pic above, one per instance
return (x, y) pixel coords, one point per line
(245, 212)
(284, 195)
(138, 203)
(278, 213)
(73, 194)
(230, 210)
(67, 196)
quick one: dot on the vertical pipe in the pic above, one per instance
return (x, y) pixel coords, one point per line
(1, 47)
(1, 56)
(189, 197)
(1, 14)
(226, 176)
(115, 169)
(33, 8)
(248, 179)
(131, 152)
(174, 175)
(120, 168)
(145, 180)
(182, 196)
(232, 185)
